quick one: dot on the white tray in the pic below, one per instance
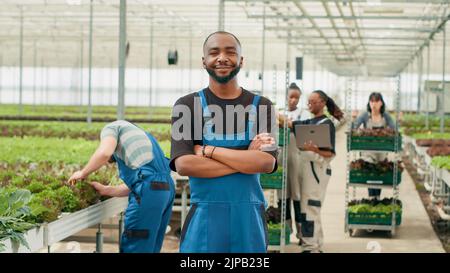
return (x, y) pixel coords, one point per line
(88, 217)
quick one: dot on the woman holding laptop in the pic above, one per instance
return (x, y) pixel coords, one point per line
(315, 164)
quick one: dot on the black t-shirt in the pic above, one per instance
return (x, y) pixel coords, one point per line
(317, 120)
(186, 146)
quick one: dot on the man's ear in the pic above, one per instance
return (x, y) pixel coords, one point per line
(241, 62)
(203, 62)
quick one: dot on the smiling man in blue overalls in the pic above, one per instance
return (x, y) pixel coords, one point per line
(148, 184)
(227, 202)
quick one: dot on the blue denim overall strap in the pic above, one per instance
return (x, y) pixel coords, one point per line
(227, 213)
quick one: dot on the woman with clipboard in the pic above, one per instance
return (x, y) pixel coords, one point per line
(315, 164)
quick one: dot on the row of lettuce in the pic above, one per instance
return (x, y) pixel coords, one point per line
(35, 163)
(77, 111)
(437, 142)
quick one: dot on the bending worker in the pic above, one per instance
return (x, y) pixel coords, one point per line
(227, 201)
(148, 184)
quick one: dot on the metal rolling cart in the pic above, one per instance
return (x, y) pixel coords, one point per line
(372, 221)
(277, 181)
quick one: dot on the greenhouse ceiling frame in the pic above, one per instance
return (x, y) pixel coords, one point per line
(350, 30)
(332, 60)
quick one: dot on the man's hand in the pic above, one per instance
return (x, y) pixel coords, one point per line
(309, 146)
(101, 189)
(78, 175)
(261, 141)
(198, 150)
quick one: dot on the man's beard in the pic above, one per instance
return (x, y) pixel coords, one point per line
(224, 79)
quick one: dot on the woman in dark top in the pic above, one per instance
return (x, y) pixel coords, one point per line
(374, 118)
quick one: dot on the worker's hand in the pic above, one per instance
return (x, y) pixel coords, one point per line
(198, 150)
(261, 142)
(309, 146)
(281, 120)
(78, 175)
(208, 150)
(101, 189)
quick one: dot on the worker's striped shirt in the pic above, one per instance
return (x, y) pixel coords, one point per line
(133, 145)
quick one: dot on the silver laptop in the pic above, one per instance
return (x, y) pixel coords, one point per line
(318, 134)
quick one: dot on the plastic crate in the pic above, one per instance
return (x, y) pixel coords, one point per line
(362, 177)
(281, 136)
(275, 236)
(373, 219)
(271, 181)
(375, 143)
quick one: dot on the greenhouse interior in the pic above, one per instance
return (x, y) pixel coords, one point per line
(356, 158)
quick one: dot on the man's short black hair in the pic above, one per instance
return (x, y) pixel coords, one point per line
(221, 32)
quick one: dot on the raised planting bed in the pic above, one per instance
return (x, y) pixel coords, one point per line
(33, 237)
(72, 223)
(272, 181)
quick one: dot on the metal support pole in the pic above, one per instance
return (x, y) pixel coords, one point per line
(419, 81)
(150, 66)
(34, 72)
(42, 79)
(322, 77)
(81, 71)
(274, 82)
(285, 155)
(349, 100)
(190, 59)
(99, 240)
(120, 228)
(89, 115)
(263, 54)
(314, 73)
(137, 86)
(407, 87)
(410, 85)
(21, 63)
(111, 86)
(47, 84)
(442, 101)
(221, 15)
(1, 70)
(411, 95)
(427, 92)
(122, 48)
